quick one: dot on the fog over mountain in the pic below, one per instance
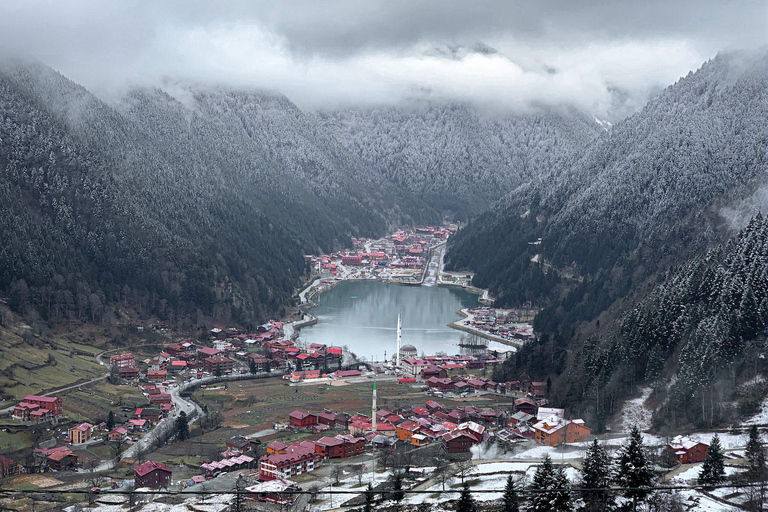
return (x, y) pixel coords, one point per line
(605, 59)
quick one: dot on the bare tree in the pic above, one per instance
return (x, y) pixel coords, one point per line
(336, 474)
(464, 468)
(442, 475)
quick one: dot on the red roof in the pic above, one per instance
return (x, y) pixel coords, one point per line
(149, 467)
(36, 398)
(329, 441)
(299, 415)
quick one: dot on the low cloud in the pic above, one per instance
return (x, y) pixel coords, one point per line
(598, 57)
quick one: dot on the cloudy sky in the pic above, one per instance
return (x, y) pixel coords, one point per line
(605, 57)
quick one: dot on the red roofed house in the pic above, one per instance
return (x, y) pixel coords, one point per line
(276, 447)
(118, 434)
(406, 429)
(9, 467)
(687, 450)
(58, 459)
(157, 374)
(298, 459)
(302, 419)
(122, 361)
(219, 364)
(129, 373)
(160, 398)
(80, 433)
(440, 384)
(327, 418)
(49, 403)
(459, 441)
(526, 405)
(205, 352)
(152, 475)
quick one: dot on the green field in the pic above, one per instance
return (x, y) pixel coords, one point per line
(31, 366)
(15, 442)
(94, 402)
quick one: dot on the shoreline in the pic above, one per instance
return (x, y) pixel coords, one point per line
(491, 337)
(315, 287)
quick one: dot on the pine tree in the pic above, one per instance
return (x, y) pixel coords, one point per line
(713, 470)
(466, 501)
(555, 482)
(634, 469)
(596, 475)
(755, 457)
(110, 420)
(398, 495)
(182, 427)
(510, 497)
(370, 498)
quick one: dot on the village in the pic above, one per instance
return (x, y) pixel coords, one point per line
(435, 411)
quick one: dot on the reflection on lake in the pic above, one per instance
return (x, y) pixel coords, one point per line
(363, 316)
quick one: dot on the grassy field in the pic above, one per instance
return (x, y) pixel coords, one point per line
(258, 404)
(14, 442)
(30, 366)
(94, 402)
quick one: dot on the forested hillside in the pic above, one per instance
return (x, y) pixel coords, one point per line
(696, 338)
(200, 209)
(638, 199)
(456, 159)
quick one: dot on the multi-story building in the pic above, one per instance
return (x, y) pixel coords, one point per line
(122, 361)
(80, 433)
(298, 459)
(38, 409)
(555, 430)
(152, 475)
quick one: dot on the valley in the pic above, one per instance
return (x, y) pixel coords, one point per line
(213, 298)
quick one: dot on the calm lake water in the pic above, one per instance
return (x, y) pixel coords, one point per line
(363, 316)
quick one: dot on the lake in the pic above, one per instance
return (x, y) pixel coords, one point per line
(363, 316)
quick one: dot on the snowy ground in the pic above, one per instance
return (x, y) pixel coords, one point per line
(634, 413)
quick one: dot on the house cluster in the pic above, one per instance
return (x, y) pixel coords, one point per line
(404, 249)
(285, 461)
(38, 409)
(457, 429)
(462, 385)
(546, 425)
(187, 360)
(442, 366)
(309, 363)
(499, 323)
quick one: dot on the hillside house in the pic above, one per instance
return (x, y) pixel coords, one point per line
(295, 460)
(526, 405)
(277, 447)
(9, 467)
(687, 450)
(118, 434)
(555, 430)
(37, 409)
(218, 364)
(338, 447)
(459, 441)
(152, 475)
(57, 459)
(301, 419)
(122, 361)
(259, 363)
(129, 373)
(80, 433)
